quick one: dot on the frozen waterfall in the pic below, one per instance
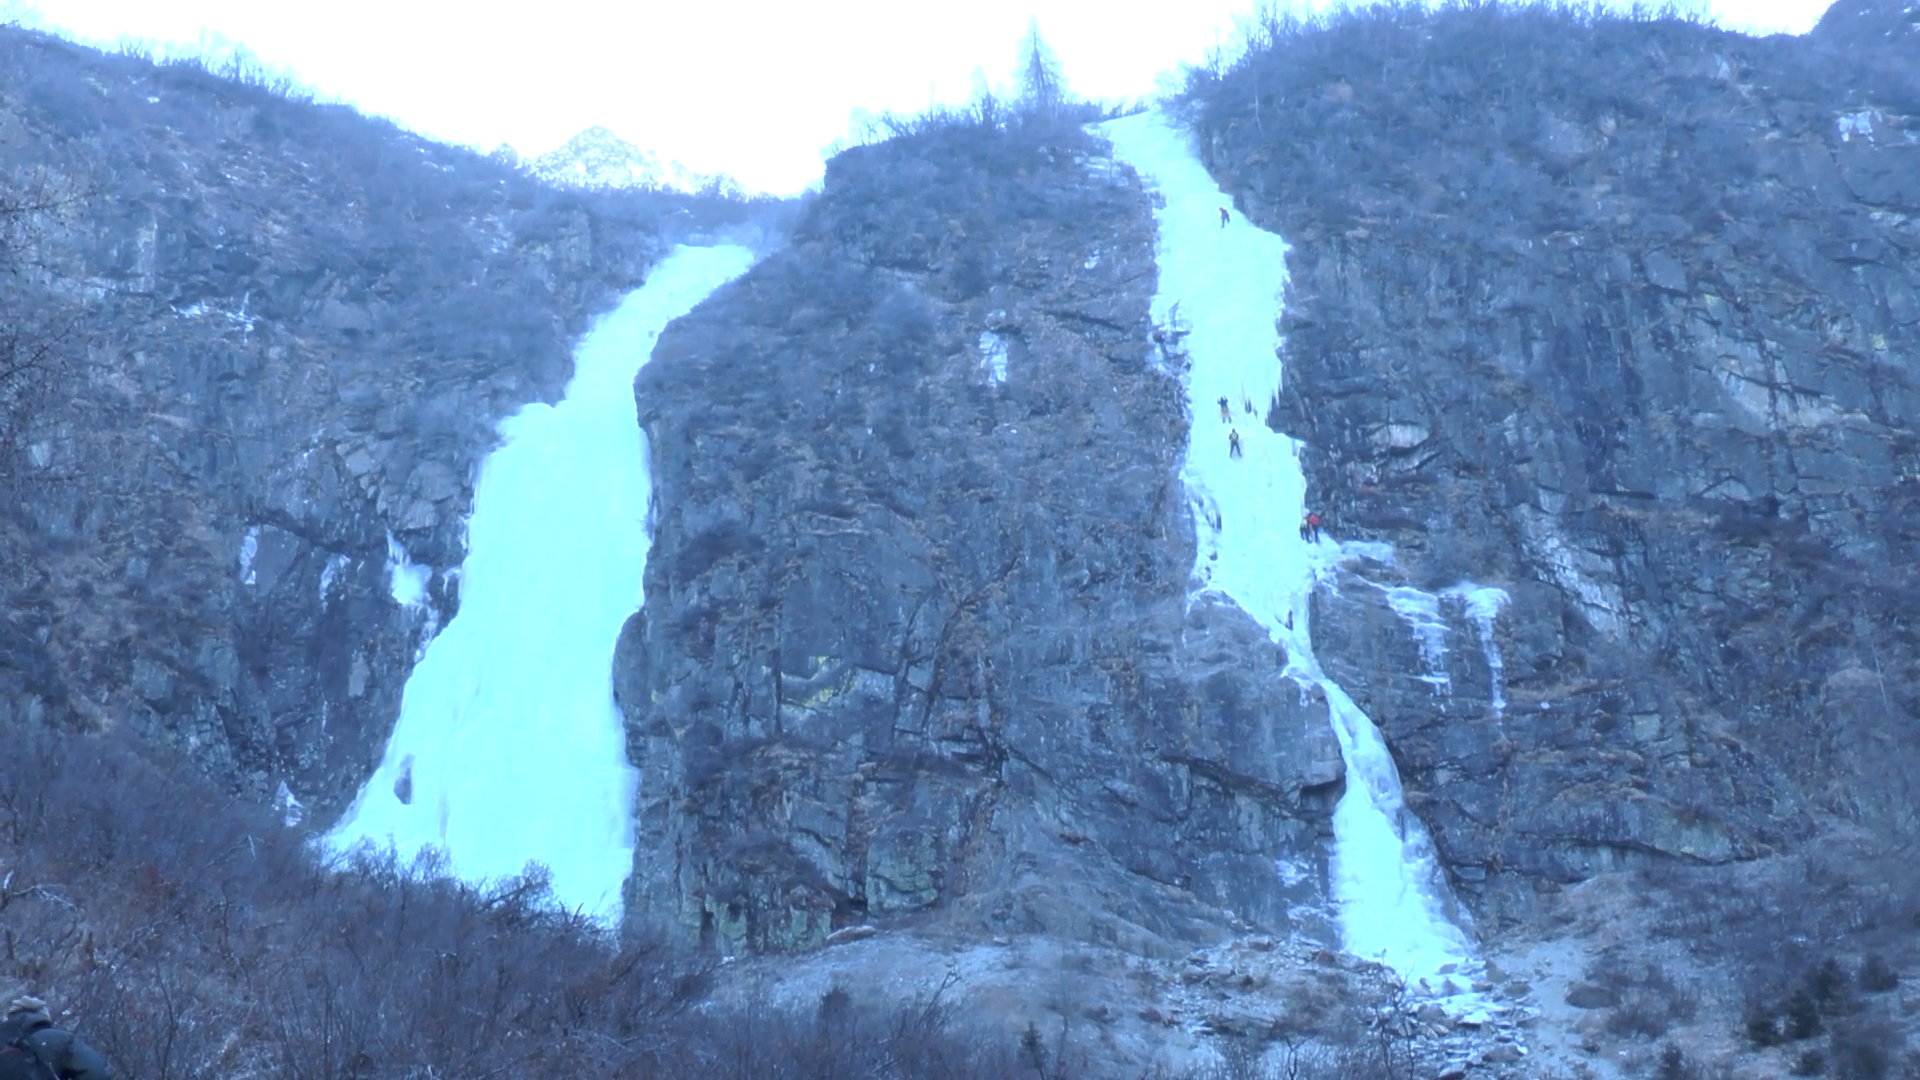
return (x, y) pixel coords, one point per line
(1226, 281)
(508, 748)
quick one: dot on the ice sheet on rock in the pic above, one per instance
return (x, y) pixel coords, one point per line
(1483, 604)
(1226, 284)
(292, 811)
(335, 564)
(406, 581)
(993, 355)
(1421, 612)
(249, 550)
(508, 748)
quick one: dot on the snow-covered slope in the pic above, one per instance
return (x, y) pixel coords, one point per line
(1221, 285)
(597, 158)
(508, 748)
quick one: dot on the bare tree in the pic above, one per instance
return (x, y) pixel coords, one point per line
(1043, 88)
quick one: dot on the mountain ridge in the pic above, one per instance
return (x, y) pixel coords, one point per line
(598, 160)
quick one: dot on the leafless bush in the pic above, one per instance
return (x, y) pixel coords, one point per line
(1863, 1051)
(1877, 976)
(189, 934)
(1651, 1001)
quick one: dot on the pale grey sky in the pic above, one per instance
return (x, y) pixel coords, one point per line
(751, 87)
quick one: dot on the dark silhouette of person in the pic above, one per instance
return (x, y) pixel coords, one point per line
(1233, 442)
(1225, 414)
(30, 1046)
(1224, 217)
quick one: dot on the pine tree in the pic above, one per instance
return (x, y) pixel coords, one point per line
(1043, 89)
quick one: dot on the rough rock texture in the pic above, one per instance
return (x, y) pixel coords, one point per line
(292, 330)
(916, 637)
(1624, 318)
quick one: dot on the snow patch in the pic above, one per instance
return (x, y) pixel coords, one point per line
(328, 574)
(291, 810)
(993, 355)
(1857, 123)
(249, 547)
(598, 160)
(406, 580)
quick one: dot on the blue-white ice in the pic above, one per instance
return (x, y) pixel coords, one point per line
(406, 580)
(1227, 284)
(993, 355)
(1483, 604)
(508, 748)
(1421, 611)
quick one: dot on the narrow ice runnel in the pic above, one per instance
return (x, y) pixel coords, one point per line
(508, 748)
(1483, 604)
(1227, 281)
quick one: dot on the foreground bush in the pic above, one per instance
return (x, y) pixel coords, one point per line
(188, 934)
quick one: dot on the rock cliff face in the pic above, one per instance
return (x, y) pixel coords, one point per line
(285, 333)
(917, 637)
(1622, 318)
(1619, 318)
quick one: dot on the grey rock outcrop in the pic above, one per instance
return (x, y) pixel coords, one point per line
(289, 333)
(1632, 337)
(917, 643)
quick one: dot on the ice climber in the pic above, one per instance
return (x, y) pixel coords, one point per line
(1310, 528)
(1233, 442)
(1225, 413)
(1224, 217)
(30, 1046)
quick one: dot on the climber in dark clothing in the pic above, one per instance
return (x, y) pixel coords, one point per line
(1233, 443)
(1224, 217)
(1225, 414)
(30, 1046)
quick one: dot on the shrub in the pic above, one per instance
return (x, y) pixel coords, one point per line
(1763, 1026)
(1862, 1051)
(1802, 1017)
(1651, 1001)
(1674, 1065)
(1877, 976)
(1809, 1063)
(1829, 984)
(1641, 1015)
(191, 935)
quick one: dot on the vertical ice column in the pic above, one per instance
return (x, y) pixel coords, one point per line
(1226, 281)
(508, 748)
(1483, 604)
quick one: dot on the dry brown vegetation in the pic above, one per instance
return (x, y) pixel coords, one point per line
(186, 933)
(189, 933)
